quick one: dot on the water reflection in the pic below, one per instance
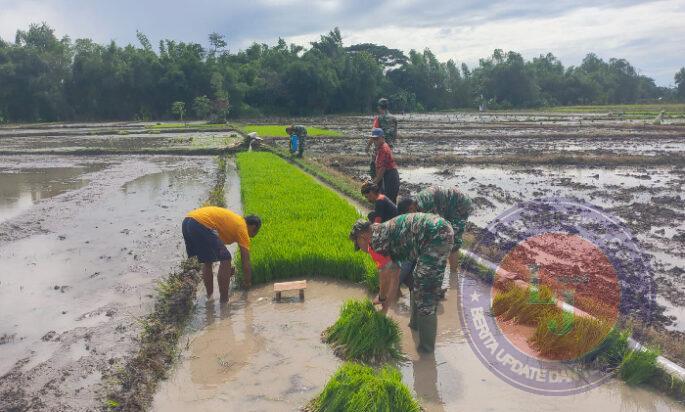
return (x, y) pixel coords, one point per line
(19, 190)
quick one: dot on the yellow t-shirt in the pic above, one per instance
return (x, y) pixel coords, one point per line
(230, 226)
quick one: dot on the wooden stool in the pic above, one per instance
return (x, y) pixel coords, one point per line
(300, 285)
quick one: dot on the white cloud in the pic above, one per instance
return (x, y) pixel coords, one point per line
(651, 36)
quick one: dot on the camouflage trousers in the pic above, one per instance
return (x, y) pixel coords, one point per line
(430, 270)
(458, 227)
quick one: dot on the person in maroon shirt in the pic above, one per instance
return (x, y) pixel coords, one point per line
(387, 177)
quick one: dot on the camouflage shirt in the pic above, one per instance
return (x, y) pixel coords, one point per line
(300, 131)
(448, 203)
(388, 123)
(409, 236)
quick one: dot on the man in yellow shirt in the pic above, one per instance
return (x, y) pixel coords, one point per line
(207, 231)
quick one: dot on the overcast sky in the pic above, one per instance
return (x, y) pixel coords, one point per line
(650, 34)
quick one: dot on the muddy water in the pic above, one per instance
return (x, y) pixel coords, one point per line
(78, 269)
(21, 188)
(258, 355)
(648, 199)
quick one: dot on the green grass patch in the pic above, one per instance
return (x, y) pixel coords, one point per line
(359, 388)
(638, 366)
(305, 225)
(272, 130)
(187, 125)
(364, 334)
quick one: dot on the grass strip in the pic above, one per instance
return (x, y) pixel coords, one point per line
(364, 334)
(305, 224)
(359, 388)
(132, 386)
(273, 130)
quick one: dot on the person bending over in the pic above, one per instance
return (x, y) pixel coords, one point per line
(207, 231)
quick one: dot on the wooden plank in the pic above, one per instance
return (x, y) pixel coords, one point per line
(299, 284)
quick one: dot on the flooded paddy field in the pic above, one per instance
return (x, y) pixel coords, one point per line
(83, 241)
(255, 354)
(633, 170)
(114, 138)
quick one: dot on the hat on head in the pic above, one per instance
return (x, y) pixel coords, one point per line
(359, 226)
(377, 132)
(383, 103)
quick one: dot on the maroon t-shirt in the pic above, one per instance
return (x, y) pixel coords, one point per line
(384, 158)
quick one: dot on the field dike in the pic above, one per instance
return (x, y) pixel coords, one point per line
(665, 376)
(133, 385)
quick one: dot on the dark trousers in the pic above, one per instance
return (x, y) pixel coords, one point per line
(391, 184)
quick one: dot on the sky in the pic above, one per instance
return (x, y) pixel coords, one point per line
(649, 34)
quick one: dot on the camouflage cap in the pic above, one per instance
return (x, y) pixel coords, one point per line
(383, 103)
(359, 226)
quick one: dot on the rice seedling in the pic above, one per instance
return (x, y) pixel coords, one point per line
(305, 225)
(558, 336)
(273, 130)
(638, 366)
(363, 334)
(359, 388)
(525, 306)
(609, 354)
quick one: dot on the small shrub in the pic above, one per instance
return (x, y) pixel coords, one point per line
(363, 334)
(638, 366)
(359, 388)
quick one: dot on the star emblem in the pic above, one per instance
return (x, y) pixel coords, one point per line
(475, 296)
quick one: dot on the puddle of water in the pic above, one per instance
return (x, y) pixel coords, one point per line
(21, 189)
(258, 355)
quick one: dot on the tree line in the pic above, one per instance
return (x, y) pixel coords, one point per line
(45, 78)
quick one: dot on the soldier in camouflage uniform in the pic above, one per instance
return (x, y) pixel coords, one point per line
(301, 133)
(421, 237)
(386, 121)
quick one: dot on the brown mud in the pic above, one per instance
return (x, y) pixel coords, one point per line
(80, 268)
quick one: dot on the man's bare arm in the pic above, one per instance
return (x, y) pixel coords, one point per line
(247, 266)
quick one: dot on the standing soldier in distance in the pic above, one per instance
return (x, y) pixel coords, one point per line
(421, 237)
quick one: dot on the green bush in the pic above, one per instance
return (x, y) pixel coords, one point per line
(638, 366)
(359, 388)
(305, 225)
(363, 334)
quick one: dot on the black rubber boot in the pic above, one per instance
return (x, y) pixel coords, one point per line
(428, 329)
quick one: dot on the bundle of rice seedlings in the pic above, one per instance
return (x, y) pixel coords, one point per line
(363, 334)
(638, 366)
(558, 336)
(524, 306)
(359, 388)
